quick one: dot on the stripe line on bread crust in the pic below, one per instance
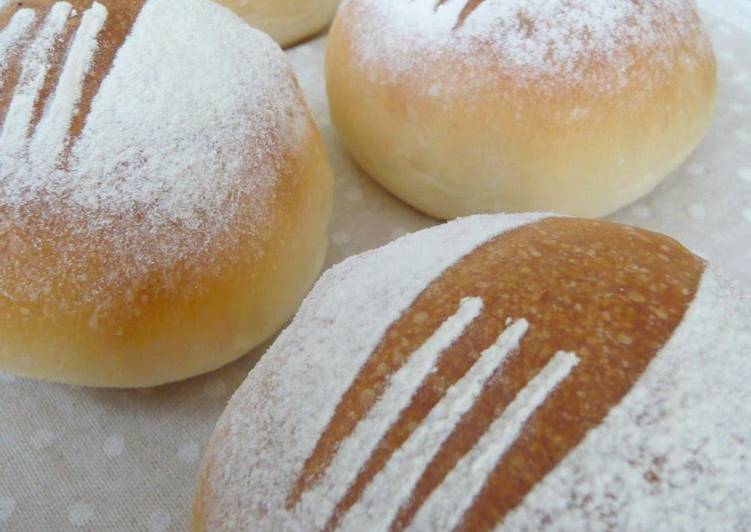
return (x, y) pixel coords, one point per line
(13, 34)
(427, 439)
(466, 479)
(33, 73)
(466, 11)
(59, 74)
(119, 28)
(385, 412)
(17, 37)
(57, 55)
(50, 137)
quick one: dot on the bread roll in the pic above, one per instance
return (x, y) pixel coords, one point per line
(164, 191)
(518, 372)
(578, 107)
(287, 21)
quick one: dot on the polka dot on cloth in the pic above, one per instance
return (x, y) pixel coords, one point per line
(80, 514)
(745, 174)
(743, 135)
(114, 446)
(42, 439)
(7, 379)
(188, 452)
(697, 210)
(215, 388)
(696, 169)
(641, 211)
(159, 521)
(742, 78)
(726, 30)
(7, 507)
(341, 238)
(354, 194)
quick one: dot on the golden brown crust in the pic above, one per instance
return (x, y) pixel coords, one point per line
(239, 294)
(454, 137)
(95, 298)
(612, 295)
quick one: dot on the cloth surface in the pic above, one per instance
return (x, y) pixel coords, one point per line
(84, 459)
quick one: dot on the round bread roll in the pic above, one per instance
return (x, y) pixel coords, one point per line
(164, 191)
(469, 106)
(287, 21)
(520, 372)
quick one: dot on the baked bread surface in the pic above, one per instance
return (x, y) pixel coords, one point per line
(511, 372)
(163, 194)
(463, 107)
